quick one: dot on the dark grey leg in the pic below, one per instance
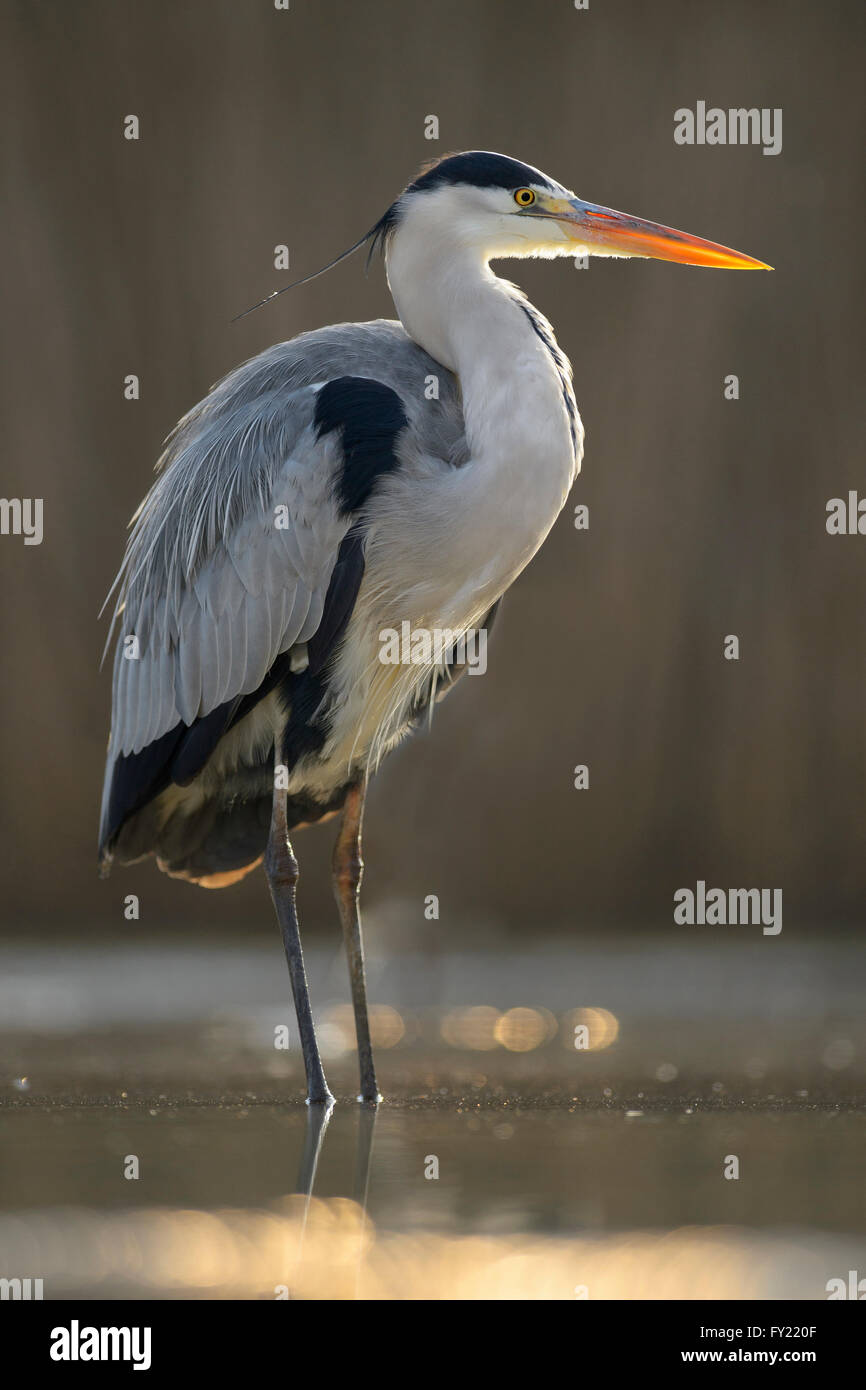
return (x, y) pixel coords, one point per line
(281, 867)
(348, 869)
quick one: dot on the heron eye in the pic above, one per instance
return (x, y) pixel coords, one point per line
(525, 197)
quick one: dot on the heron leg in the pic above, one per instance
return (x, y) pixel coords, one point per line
(348, 869)
(281, 867)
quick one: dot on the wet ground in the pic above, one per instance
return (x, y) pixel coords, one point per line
(704, 1138)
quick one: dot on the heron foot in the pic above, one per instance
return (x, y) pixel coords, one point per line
(318, 1097)
(370, 1097)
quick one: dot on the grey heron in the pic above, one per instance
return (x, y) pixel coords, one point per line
(336, 486)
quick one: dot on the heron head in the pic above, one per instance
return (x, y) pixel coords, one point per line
(493, 206)
(501, 207)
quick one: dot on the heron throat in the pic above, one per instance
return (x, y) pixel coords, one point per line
(518, 403)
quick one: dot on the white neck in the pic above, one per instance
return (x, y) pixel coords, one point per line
(515, 404)
(519, 413)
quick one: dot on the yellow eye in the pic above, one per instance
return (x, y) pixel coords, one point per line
(525, 197)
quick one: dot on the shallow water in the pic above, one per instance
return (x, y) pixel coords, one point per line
(505, 1162)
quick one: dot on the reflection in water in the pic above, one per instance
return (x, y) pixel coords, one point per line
(330, 1247)
(315, 1129)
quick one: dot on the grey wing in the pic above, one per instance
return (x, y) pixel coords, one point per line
(234, 547)
(227, 567)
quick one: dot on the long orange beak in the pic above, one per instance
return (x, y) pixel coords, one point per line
(605, 231)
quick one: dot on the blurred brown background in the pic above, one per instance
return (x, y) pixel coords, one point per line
(707, 517)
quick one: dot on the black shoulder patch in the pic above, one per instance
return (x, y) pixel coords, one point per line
(482, 168)
(370, 416)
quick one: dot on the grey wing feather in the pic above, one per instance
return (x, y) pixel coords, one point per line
(212, 612)
(213, 584)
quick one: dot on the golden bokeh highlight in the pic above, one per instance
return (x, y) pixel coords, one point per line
(329, 1249)
(602, 1028)
(473, 1027)
(337, 1028)
(521, 1030)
